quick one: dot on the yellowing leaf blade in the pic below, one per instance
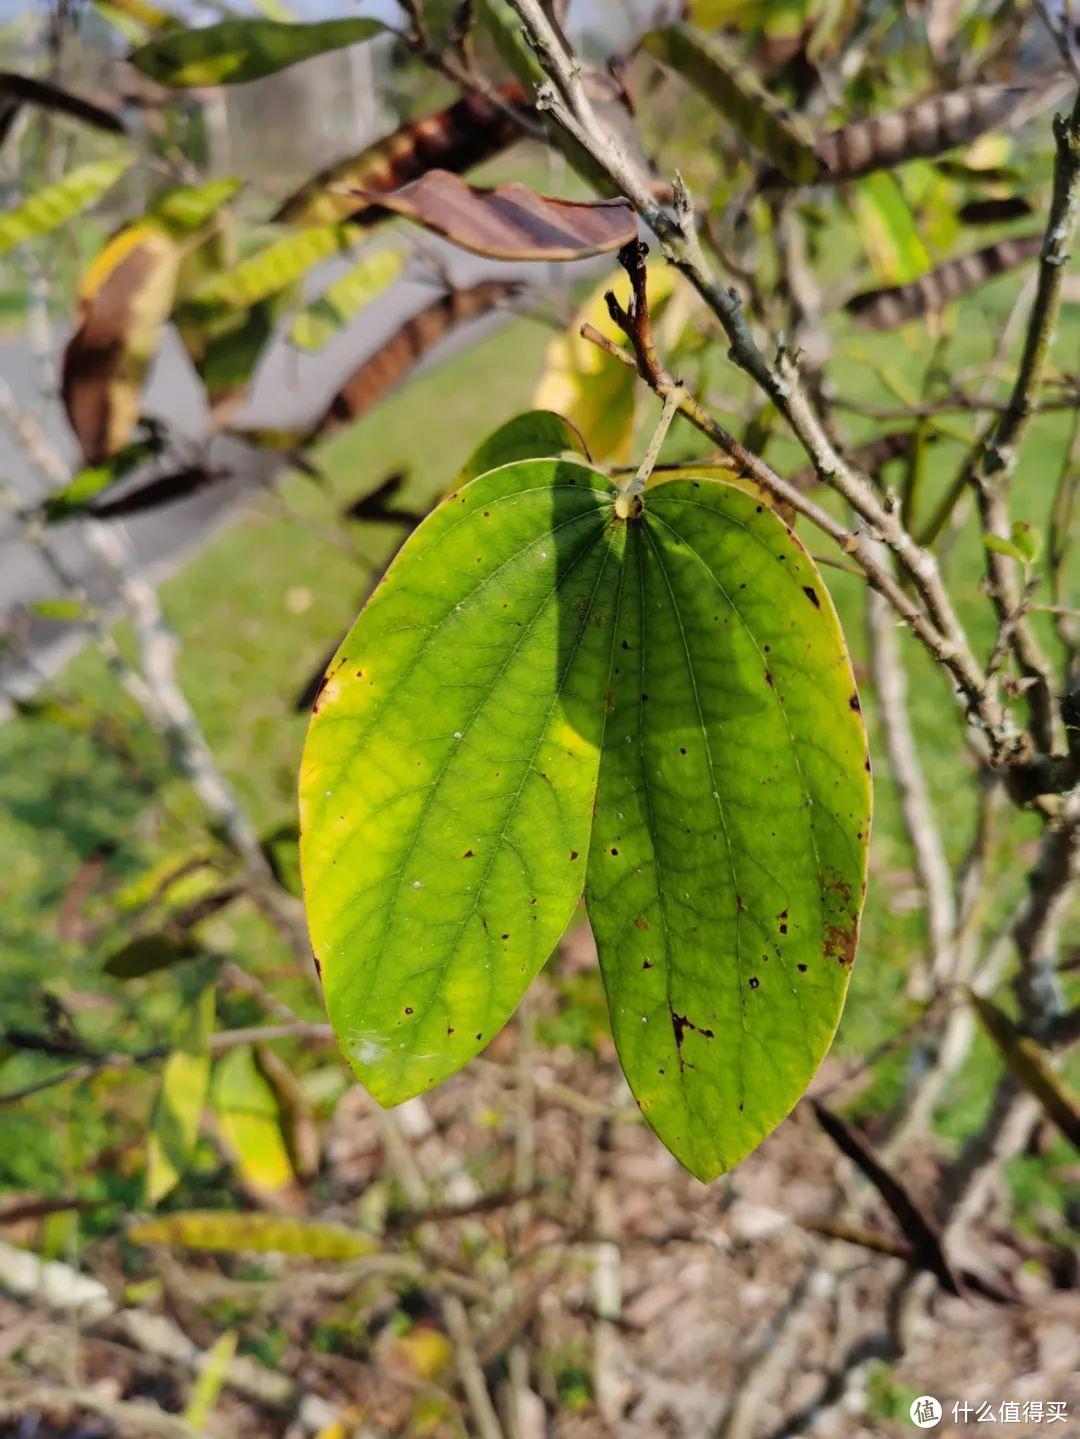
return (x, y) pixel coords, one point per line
(249, 1123)
(185, 1081)
(255, 1233)
(125, 298)
(344, 298)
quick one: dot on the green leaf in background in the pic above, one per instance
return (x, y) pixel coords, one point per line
(711, 14)
(249, 1123)
(532, 436)
(500, 23)
(452, 771)
(53, 205)
(185, 1080)
(211, 1376)
(888, 229)
(64, 611)
(270, 270)
(147, 953)
(226, 346)
(235, 51)
(1023, 545)
(322, 319)
(728, 853)
(257, 1233)
(89, 482)
(185, 209)
(726, 81)
(135, 19)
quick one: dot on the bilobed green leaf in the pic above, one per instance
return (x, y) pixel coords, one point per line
(724, 79)
(185, 1080)
(258, 1233)
(535, 435)
(250, 1123)
(321, 320)
(54, 205)
(235, 51)
(452, 787)
(270, 270)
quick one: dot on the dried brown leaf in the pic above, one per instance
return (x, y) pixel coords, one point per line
(511, 221)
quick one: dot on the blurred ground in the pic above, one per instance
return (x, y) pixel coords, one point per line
(645, 1299)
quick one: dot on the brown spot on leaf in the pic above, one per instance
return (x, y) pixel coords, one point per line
(853, 703)
(680, 1024)
(642, 923)
(840, 940)
(811, 595)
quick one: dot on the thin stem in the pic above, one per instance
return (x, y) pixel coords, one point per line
(672, 403)
(992, 468)
(566, 99)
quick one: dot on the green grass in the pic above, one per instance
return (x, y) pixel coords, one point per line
(260, 607)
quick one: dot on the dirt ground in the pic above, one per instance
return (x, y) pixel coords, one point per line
(617, 1297)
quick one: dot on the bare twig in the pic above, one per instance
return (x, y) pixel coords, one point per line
(906, 772)
(992, 466)
(939, 628)
(223, 1040)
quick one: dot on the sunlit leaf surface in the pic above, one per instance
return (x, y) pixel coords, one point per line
(453, 786)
